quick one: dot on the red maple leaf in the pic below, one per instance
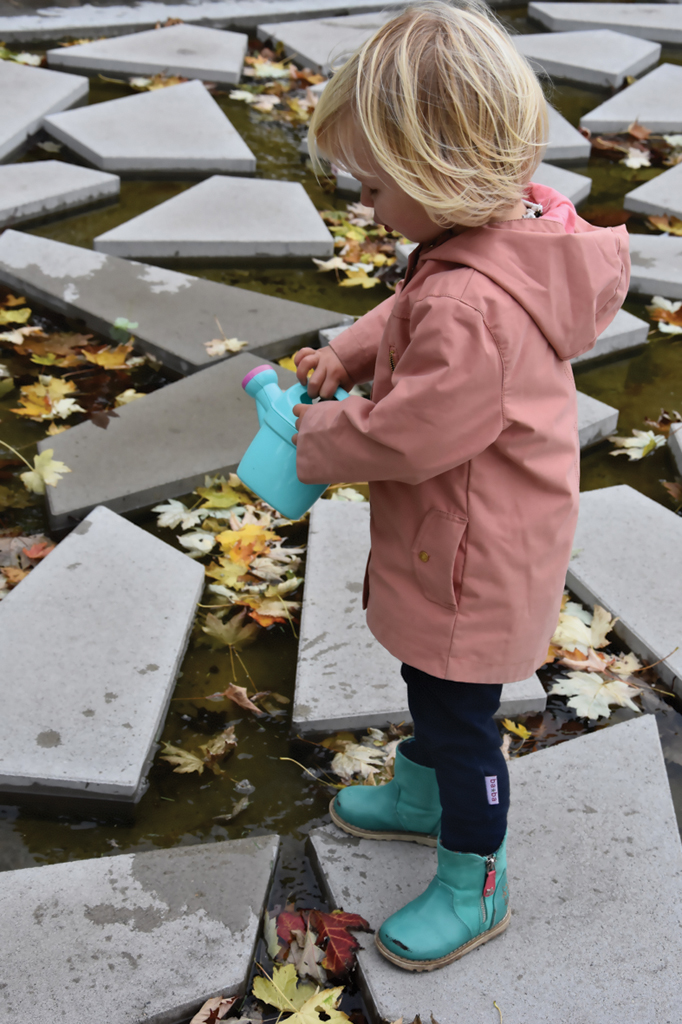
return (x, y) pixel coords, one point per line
(39, 550)
(288, 922)
(341, 945)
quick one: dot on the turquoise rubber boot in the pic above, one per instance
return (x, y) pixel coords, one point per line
(407, 807)
(465, 905)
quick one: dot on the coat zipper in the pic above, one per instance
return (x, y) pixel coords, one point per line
(391, 357)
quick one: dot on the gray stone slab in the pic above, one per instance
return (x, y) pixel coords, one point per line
(49, 187)
(675, 445)
(26, 95)
(134, 937)
(661, 195)
(575, 187)
(90, 20)
(319, 43)
(565, 144)
(655, 101)
(596, 56)
(327, 335)
(593, 844)
(656, 265)
(160, 446)
(180, 131)
(222, 218)
(191, 51)
(402, 252)
(639, 581)
(657, 21)
(344, 678)
(114, 606)
(348, 183)
(624, 332)
(596, 420)
(175, 313)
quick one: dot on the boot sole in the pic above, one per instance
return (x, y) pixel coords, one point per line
(433, 965)
(365, 833)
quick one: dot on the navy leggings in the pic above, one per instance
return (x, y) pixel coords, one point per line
(454, 732)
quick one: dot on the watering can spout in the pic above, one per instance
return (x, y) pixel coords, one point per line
(260, 383)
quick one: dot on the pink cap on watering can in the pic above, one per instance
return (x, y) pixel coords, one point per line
(252, 373)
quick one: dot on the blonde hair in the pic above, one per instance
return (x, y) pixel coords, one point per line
(448, 108)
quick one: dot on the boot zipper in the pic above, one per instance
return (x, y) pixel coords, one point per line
(488, 885)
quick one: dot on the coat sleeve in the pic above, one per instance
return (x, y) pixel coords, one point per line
(445, 406)
(357, 347)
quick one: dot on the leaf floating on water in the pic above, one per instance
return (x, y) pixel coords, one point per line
(341, 946)
(238, 695)
(214, 1009)
(307, 957)
(235, 633)
(671, 225)
(591, 695)
(185, 761)
(517, 729)
(46, 470)
(643, 443)
(282, 990)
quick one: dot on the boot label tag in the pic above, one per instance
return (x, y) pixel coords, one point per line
(491, 788)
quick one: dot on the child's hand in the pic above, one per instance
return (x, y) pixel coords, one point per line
(329, 372)
(299, 411)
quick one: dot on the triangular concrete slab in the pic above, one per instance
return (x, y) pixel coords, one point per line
(49, 187)
(566, 144)
(160, 446)
(575, 187)
(175, 314)
(593, 846)
(344, 678)
(656, 265)
(624, 332)
(320, 42)
(191, 51)
(84, 705)
(655, 101)
(26, 95)
(661, 195)
(639, 582)
(180, 130)
(135, 937)
(596, 56)
(225, 218)
(660, 22)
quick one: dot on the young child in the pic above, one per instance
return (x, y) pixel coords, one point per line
(469, 441)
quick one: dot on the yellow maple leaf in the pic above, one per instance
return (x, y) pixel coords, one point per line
(359, 277)
(109, 358)
(671, 225)
(282, 990)
(47, 399)
(225, 497)
(516, 728)
(288, 363)
(226, 573)
(46, 470)
(185, 761)
(14, 316)
(245, 544)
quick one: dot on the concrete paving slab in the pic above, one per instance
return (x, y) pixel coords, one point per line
(49, 187)
(658, 21)
(134, 937)
(348, 183)
(629, 560)
(191, 51)
(26, 95)
(84, 705)
(175, 313)
(596, 420)
(675, 444)
(575, 187)
(223, 218)
(592, 844)
(180, 131)
(319, 43)
(402, 252)
(596, 56)
(344, 678)
(661, 195)
(90, 20)
(159, 447)
(624, 332)
(327, 335)
(566, 144)
(655, 101)
(656, 265)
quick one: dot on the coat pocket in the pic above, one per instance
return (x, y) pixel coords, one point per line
(434, 556)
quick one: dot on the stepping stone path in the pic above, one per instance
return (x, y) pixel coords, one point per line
(160, 446)
(134, 937)
(596, 420)
(655, 101)
(661, 195)
(176, 131)
(26, 95)
(593, 843)
(657, 21)
(241, 218)
(49, 187)
(629, 560)
(344, 678)
(596, 57)
(575, 187)
(187, 50)
(624, 332)
(675, 444)
(322, 42)
(175, 314)
(88, 20)
(84, 706)
(566, 144)
(656, 265)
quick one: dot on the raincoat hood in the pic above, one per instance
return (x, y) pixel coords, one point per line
(532, 260)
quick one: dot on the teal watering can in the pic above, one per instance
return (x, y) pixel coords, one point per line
(269, 463)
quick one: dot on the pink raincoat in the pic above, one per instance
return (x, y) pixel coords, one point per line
(470, 440)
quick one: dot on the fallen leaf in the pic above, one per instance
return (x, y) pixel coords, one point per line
(674, 489)
(185, 761)
(14, 316)
(13, 575)
(602, 624)
(221, 346)
(288, 363)
(341, 945)
(17, 336)
(591, 662)
(671, 225)
(174, 513)
(244, 544)
(46, 470)
(109, 358)
(347, 494)
(282, 990)
(57, 428)
(636, 158)
(226, 573)
(289, 922)
(234, 633)
(665, 419)
(223, 497)
(218, 748)
(198, 543)
(643, 443)
(270, 936)
(13, 300)
(626, 664)
(334, 263)
(127, 396)
(39, 550)
(590, 694)
(237, 808)
(238, 695)
(214, 1009)
(571, 632)
(306, 958)
(359, 277)
(638, 131)
(517, 729)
